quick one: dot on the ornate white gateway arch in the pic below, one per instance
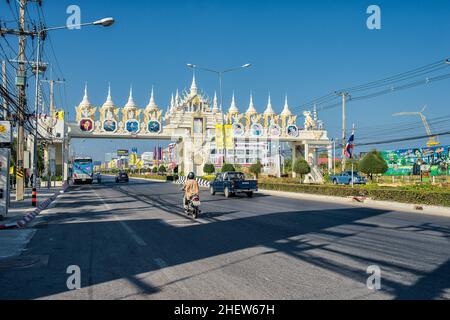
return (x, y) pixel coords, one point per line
(197, 125)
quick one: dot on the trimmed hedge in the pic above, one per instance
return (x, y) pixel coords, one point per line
(150, 177)
(435, 198)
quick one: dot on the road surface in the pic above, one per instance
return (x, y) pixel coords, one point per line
(132, 241)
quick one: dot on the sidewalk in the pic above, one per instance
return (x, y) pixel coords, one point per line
(14, 241)
(18, 209)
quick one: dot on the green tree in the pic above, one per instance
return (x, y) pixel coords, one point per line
(301, 167)
(155, 169)
(287, 165)
(227, 167)
(162, 169)
(373, 163)
(256, 168)
(209, 168)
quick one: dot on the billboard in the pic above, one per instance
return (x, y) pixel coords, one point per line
(122, 152)
(435, 160)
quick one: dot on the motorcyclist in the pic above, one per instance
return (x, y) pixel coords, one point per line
(190, 188)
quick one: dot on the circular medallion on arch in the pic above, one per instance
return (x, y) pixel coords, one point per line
(86, 125)
(274, 130)
(132, 126)
(256, 130)
(154, 126)
(292, 130)
(110, 125)
(238, 129)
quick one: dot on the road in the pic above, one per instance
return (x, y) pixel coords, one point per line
(131, 241)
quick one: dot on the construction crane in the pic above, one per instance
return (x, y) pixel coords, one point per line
(432, 139)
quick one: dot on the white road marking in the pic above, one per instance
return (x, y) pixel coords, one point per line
(127, 228)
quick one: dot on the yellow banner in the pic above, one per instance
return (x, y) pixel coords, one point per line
(219, 136)
(229, 141)
(58, 115)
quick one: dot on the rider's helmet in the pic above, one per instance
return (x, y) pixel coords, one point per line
(191, 176)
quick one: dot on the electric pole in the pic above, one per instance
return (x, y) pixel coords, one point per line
(344, 99)
(50, 132)
(5, 85)
(21, 83)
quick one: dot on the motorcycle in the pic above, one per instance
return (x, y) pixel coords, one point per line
(193, 207)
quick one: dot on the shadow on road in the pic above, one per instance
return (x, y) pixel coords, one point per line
(98, 247)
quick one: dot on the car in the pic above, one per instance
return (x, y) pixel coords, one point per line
(121, 176)
(346, 178)
(231, 183)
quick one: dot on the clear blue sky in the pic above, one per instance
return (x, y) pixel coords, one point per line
(303, 48)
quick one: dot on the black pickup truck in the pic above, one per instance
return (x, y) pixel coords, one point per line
(231, 183)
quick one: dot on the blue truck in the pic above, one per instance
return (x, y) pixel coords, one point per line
(346, 178)
(231, 183)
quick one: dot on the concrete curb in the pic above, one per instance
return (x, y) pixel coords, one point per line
(33, 214)
(363, 202)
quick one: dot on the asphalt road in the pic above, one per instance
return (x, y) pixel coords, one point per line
(132, 241)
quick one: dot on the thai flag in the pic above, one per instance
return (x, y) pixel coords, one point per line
(348, 151)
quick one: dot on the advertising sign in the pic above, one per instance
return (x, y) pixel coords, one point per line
(435, 160)
(5, 132)
(122, 152)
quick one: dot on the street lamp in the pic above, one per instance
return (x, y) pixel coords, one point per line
(105, 22)
(220, 74)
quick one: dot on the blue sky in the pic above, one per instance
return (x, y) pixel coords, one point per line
(303, 48)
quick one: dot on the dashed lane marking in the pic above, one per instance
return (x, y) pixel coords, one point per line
(127, 228)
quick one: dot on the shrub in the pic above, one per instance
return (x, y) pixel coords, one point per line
(162, 169)
(301, 167)
(373, 163)
(209, 168)
(439, 197)
(227, 167)
(155, 170)
(256, 169)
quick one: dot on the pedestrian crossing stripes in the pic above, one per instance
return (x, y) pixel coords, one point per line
(201, 182)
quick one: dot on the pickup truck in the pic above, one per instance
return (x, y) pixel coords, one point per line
(231, 183)
(346, 178)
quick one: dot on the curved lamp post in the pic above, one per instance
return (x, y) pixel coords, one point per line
(105, 22)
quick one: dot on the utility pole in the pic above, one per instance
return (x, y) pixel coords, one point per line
(50, 131)
(5, 85)
(344, 99)
(21, 83)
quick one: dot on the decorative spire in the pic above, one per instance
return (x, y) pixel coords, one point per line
(233, 108)
(85, 101)
(269, 111)
(286, 112)
(193, 86)
(130, 102)
(152, 104)
(172, 102)
(109, 102)
(215, 104)
(177, 98)
(251, 107)
(314, 114)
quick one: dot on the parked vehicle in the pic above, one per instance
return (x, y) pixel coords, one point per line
(346, 178)
(83, 170)
(193, 207)
(231, 183)
(121, 176)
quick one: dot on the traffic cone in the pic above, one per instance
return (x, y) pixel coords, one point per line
(33, 198)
